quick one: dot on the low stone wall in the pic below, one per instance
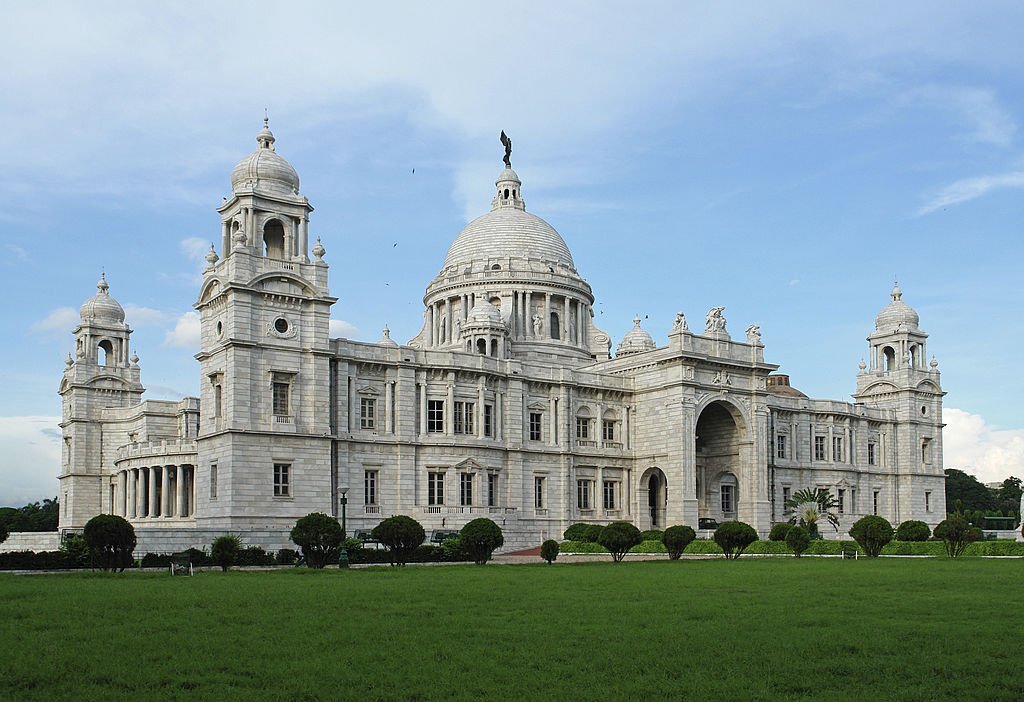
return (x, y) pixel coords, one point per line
(31, 541)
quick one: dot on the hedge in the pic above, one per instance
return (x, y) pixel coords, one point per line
(820, 547)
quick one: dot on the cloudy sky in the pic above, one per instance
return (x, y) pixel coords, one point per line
(786, 160)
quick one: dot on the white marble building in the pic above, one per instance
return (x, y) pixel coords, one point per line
(509, 403)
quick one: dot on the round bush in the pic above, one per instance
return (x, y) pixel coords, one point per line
(734, 537)
(618, 538)
(652, 535)
(798, 539)
(549, 550)
(872, 533)
(779, 531)
(913, 530)
(401, 535)
(111, 541)
(957, 534)
(592, 533)
(676, 539)
(225, 550)
(319, 536)
(577, 532)
(480, 537)
(286, 556)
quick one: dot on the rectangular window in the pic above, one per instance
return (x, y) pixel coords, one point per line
(435, 488)
(282, 480)
(837, 449)
(780, 446)
(466, 489)
(538, 492)
(218, 400)
(785, 495)
(927, 502)
(583, 494)
(280, 398)
(841, 499)
(871, 454)
(926, 451)
(853, 500)
(435, 416)
(874, 503)
(463, 418)
(728, 499)
(582, 428)
(370, 487)
(611, 489)
(213, 481)
(608, 430)
(819, 448)
(535, 426)
(488, 420)
(367, 413)
(492, 489)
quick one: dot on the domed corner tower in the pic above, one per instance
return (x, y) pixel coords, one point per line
(899, 378)
(103, 374)
(516, 262)
(265, 372)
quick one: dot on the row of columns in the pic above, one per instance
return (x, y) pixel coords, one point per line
(296, 236)
(442, 325)
(155, 492)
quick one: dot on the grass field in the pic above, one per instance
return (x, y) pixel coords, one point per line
(757, 629)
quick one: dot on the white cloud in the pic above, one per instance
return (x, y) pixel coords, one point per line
(186, 332)
(971, 445)
(139, 316)
(987, 121)
(17, 252)
(970, 188)
(341, 328)
(195, 248)
(59, 322)
(31, 462)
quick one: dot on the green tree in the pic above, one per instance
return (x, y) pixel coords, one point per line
(779, 531)
(401, 535)
(965, 492)
(480, 537)
(618, 538)
(809, 506)
(734, 537)
(549, 550)
(4, 533)
(957, 534)
(798, 539)
(872, 533)
(319, 536)
(111, 541)
(76, 548)
(1008, 497)
(913, 530)
(225, 549)
(676, 539)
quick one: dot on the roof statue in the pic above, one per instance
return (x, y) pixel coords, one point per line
(507, 143)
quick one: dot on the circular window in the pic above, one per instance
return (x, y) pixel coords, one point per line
(281, 325)
(220, 328)
(924, 410)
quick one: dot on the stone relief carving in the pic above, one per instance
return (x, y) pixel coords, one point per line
(722, 378)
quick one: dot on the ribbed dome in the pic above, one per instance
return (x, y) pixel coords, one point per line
(636, 340)
(386, 340)
(778, 384)
(484, 312)
(896, 313)
(101, 307)
(508, 232)
(265, 169)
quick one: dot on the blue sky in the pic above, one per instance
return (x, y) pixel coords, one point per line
(786, 160)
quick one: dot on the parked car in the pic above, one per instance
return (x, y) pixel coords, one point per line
(707, 523)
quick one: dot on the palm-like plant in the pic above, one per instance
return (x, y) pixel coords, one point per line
(808, 506)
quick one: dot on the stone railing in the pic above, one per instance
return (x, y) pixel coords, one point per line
(161, 447)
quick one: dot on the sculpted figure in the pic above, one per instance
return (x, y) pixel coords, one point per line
(754, 334)
(715, 321)
(680, 323)
(507, 143)
(536, 325)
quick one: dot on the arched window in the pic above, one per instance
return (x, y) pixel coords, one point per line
(506, 193)
(890, 359)
(273, 239)
(105, 353)
(494, 347)
(556, 328)
(481, 347)
(913, 355)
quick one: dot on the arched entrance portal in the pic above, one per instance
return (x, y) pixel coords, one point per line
(653, 498)
(719, 436)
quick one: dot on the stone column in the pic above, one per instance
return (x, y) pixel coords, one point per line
(153, 504)
(599, 429)
(179, 475)
(553, 421)
(165, 492)
(499, 414)
(449, 411)
(430, 326)
(304, 238)
(131, 476)
(449, 323)
(191, 491)
(546, 320)
(388, 395)
(480, 399)
(566, 319)
(423, 408)
(528, 314)
(225, 239)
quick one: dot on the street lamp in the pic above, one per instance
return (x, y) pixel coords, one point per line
(343, 553)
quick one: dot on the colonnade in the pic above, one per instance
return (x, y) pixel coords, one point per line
(572, 315)
(155, 492)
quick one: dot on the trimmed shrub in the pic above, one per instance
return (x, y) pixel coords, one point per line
(779, 531)
(676, 539)
(618, 538)
(224, 551)
(872, 533)
(452, 550)
(913, 530)
(652, 535)
(734, 537)
(254, 556)
(42, 560)
(111, 542)
(592, 533)
(576, 532)
(286, 556)
(319, 536)
(76, 549)
(549, 550)
(401, 535)
(957, 534)
(798, 539)
(480, 537)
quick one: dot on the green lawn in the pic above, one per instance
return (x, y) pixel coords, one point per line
(890, 629)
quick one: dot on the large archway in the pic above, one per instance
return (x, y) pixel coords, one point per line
(720, 433)
(653, 499)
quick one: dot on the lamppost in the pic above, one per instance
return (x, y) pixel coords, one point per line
(343, 554)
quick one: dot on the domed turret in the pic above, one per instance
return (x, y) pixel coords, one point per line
(264, 169)
(636, 340)
(101, 307)
(386, 340)
(897, 312)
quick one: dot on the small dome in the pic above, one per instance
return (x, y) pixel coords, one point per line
(265, 169)
(778, 384)
(636, 340)
(386, 340)
(484, 312)
(101, 307)
(897, 312)
(508, 176)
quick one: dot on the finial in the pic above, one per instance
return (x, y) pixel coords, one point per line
(387, 332)
(319, 250)
(863, 366)
(211, 257)
(135, 358)
(934, 364)
(69, 361)
(507, 143)
(102, 286)
(266, 118)
(636, 322)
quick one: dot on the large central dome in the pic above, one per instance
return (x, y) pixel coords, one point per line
(508, 232)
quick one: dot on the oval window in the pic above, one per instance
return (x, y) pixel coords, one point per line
(281, 325)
